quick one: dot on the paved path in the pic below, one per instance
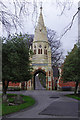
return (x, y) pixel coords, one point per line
(38, 85)
(50, 104)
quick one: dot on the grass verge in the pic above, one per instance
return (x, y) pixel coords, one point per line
(77, 97)
(6, 109)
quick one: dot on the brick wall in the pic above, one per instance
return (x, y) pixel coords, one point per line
(13, 84)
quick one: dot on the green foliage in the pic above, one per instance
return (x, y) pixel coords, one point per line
(6, 109)
(15, 59)
(71, 66)
(14, 89)
(77, 97)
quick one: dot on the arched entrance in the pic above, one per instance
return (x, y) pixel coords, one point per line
(39, 79)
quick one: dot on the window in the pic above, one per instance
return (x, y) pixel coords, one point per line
(45, 50)
(40, 46)
(35, 51)
(40, 49)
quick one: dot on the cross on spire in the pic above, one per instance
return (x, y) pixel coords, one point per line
(41, 6)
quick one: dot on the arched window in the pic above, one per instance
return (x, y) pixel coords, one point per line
(40, 49)
(34, 49)
(45, 50)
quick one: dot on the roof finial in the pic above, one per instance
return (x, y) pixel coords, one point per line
(41, 6)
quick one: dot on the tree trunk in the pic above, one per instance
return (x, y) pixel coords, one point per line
(76, 87)
(5, 86)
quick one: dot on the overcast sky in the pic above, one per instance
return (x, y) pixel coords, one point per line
(53, 20)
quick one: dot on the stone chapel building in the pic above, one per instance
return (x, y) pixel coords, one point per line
(41, 60)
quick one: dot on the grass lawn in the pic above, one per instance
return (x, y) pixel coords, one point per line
(6, 109)
(77, 97)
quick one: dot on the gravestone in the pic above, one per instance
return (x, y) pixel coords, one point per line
(4, 99)
(18, 99)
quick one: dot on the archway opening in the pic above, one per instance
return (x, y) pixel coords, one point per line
(39, 80)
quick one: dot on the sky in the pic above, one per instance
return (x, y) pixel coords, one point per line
(53, 20)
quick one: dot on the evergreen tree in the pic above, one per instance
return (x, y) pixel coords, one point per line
(71, 67)
(15, 60)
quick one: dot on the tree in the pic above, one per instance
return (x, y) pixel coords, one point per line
(15, 60)
(56, 50)
(71, 66)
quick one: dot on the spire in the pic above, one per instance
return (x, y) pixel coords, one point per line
(40, 30)
(40, 24)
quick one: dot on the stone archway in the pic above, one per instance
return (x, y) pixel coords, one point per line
(35, 73)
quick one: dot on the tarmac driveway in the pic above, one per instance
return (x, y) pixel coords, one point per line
(49, 104)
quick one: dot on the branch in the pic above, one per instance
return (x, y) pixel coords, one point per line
(63, 5)
(71, 23)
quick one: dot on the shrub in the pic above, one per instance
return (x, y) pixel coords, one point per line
(14, 89)
(66, 88)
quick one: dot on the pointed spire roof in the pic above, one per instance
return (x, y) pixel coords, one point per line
(40, 20)
(40, 30)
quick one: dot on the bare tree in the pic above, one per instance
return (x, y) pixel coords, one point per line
(57, 52)
(68, 27)
(67, 5)
(13, 13)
